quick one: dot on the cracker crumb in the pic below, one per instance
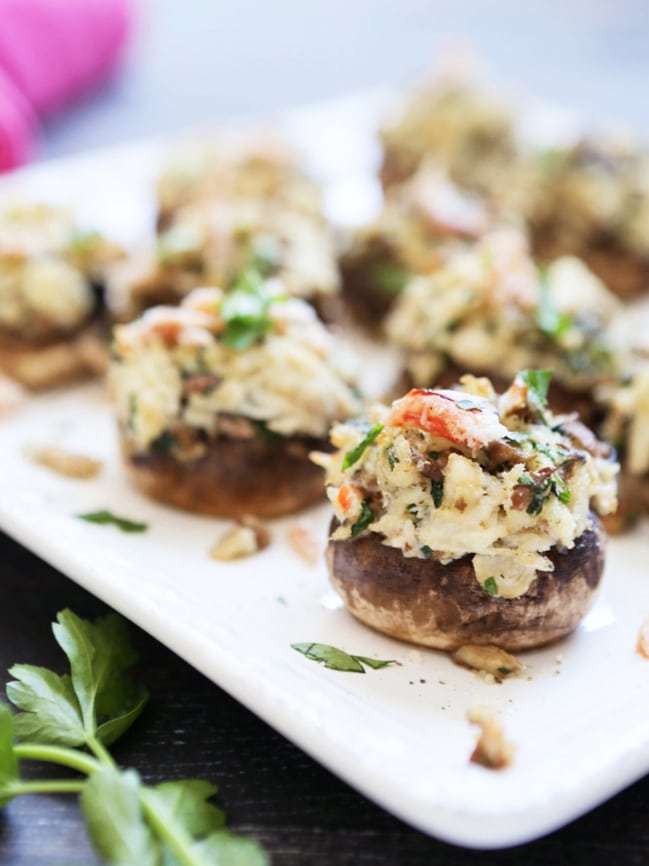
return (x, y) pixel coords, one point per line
(414, 656)
(12, 396)
(492, 750)
(63, 462)
(492, 663)
(302, 540)
(642, 643)
(244, 538)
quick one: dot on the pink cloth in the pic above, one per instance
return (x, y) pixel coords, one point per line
(52, 51)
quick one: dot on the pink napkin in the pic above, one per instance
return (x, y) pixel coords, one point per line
(52, 51)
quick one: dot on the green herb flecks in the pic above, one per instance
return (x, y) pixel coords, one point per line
(107, 518)
(391, 455)
(491, 586)
(437, 491)
(426, 550)
(468, 405)
(550, 321)
(541, 491)
(263, 431)
(70, 720)
(165, 443)
(389, 277)
(366, 517)
(538, 382)
(338, 660)
(357, 452)
(245, 310)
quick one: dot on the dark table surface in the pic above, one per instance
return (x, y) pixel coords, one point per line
(198, 61)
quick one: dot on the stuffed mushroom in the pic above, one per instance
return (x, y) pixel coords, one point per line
(220, 400)
(465, 517)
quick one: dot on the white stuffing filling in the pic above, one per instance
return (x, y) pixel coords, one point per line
(294, 379)
(487, 309)
(428, 495)
(629, 421)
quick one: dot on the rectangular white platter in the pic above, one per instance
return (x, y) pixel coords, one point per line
(578, 715)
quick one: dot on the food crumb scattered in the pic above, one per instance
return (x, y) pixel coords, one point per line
(492, 750)
(281, 600)
(63, 462)
(642, 644)
(302, 540)
(414, 656)
(12, 396)
(244, 538)
(492, 663)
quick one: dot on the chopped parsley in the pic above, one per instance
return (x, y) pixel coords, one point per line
(391, 454)
(338, 660)
(245, 310)
(357, 452)
(263, 431)
(437, 491)
(491, 586)
(389, 277)
(468, 405)
(366, 517)
(541, 491)
(107, 518)
(550, 321)
(411, 508)
(165, 443)
(426, 550)
(538, 382)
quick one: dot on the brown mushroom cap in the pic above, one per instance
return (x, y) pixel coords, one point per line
(444, 606)
(233, 477)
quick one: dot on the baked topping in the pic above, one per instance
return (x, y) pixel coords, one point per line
(490, 310)
(46, 268)
(443, 474)
(249, 360)
(627, 424)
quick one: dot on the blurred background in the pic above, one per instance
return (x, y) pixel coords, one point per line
(197, 61)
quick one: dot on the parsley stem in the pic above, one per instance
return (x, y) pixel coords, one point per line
(49, 786)
(170, 832)
(72, 758)
(100, 751)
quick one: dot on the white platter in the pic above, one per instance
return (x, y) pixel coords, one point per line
(578, 716)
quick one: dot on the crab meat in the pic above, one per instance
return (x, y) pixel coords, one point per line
(463, 419)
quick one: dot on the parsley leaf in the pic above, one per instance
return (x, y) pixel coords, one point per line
(338, 660)
(357, 452)
(366, 517)
(389, 277)
(491, 586)
(538, 382)
(437, 491)
(245, 311)
(549, 320)
(187, 801)
(107, 518)
(110, 802)
(100, 654)
(51, 711)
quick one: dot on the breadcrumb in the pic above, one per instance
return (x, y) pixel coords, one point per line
(488, 660)
(642, 644)
(63, 462)
(492, 750)
(244, 538)
(302, 540)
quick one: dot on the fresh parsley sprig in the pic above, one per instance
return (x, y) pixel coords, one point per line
(338, 660)
(70, 720)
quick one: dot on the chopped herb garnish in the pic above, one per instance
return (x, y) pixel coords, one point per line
(245, 311)
(560, 488)
(542, 490)
(367, 517)
(426, 550)
(437, 491)
(263, 431)
(491, 586)
(389, 277)
(468, 405)
(338, 660)
(552, 322)
(165, 443)
(525, 479)
(391, 454)
(107, 518)
(357, 452)
(411, 508)
(504, 671)
(433, 455)
(538, 382)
